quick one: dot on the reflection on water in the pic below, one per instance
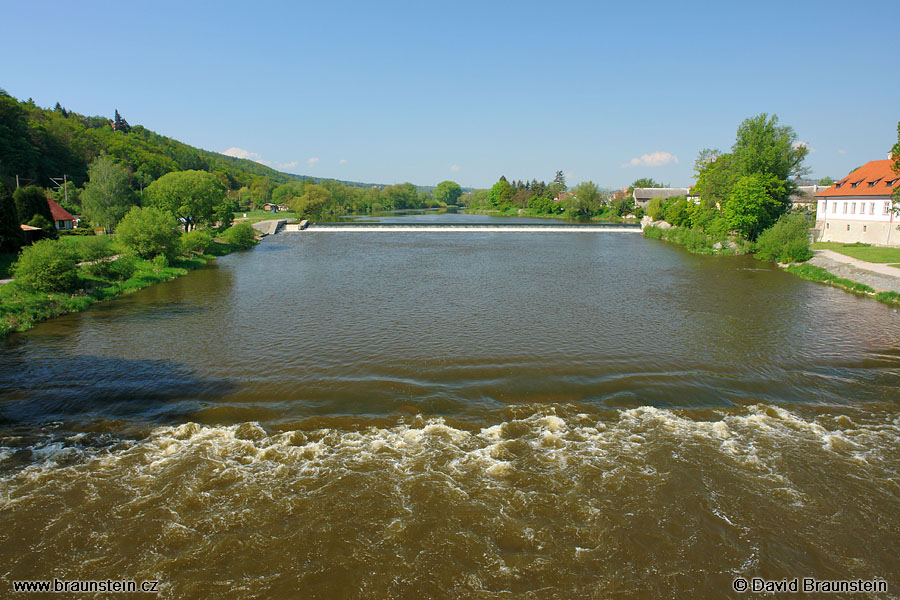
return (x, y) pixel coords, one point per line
(467, 415)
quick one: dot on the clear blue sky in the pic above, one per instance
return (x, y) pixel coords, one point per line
(425, 91)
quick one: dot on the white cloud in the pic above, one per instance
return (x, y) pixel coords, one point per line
(454, 167)
(312, 161)
(842, 151)
(654, 159)
(570, 175)
(804, 145)
(343, 161)
(241, 153)
(288, 165)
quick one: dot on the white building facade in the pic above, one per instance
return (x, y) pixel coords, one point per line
(859, 208)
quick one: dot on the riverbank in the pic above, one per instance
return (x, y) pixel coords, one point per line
(852, 275)
(20, 308)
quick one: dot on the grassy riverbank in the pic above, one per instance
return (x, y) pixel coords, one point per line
(21, 308)
(820, 275)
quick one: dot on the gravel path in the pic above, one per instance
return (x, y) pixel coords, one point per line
(880, 277)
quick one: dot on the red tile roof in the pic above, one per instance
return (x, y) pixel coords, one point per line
(59, 213)
(875, 178)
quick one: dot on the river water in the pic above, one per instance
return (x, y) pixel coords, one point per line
(456, 415)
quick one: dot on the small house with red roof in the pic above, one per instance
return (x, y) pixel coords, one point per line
(62, 218)
(859, 207)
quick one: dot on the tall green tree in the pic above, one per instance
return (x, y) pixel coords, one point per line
(763, 147)
(107, 195)
(10, 232)
(586, 201)
(501, 193)
(261, 191)
(447, 192)
(715, 179)
(31, 201)
(192, 196)
(753, 204)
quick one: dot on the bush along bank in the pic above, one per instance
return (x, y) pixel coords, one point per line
(50, 282)
(694, 240)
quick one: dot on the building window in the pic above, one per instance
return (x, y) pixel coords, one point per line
(853, 208)
(871, 208)
(834, 206)
(848, 226)
(827, 225)
(864, 228)
(887, 207)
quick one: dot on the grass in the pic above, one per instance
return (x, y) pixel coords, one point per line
(873, 254)
(255, 216)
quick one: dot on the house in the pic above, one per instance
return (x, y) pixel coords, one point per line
(62, 218)
(805, 197)
(642, 196)
(859, 207)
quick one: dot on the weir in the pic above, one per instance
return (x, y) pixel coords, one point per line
(461, 227)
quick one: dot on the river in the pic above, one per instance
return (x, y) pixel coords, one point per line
(456, 415)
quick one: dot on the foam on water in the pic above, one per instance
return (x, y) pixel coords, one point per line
(545, 496)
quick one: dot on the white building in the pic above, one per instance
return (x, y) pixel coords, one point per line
(859, 207)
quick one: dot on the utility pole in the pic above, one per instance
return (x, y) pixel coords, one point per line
(61, 185)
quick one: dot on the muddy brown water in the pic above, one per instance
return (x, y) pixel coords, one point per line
(466, 415)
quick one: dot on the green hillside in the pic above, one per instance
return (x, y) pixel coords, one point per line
(37, 144)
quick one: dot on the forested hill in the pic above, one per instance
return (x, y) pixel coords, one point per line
(37, 144)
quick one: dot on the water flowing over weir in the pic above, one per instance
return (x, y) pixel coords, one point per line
(475, 415)
(463, 228)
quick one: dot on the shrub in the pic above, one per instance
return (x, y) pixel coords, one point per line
(149, 232)
(95, 251)
(241, 235)
(678, 213)
(120, 269)
(47, 266)
(195, 242)
(787, 241)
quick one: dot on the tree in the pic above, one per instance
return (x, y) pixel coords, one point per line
(644, 182)
(120, 124)
(586, 201)
(107, 195)
(447, 192)
(48, 229)
(192, 196)
(765, 148)
(501, 193)
(261, 192)
(826, 181)
(558, 186)
(149, 232)
(31, 201)
(753, 205)
(10, 232)
(313, 202)
(715, 178)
